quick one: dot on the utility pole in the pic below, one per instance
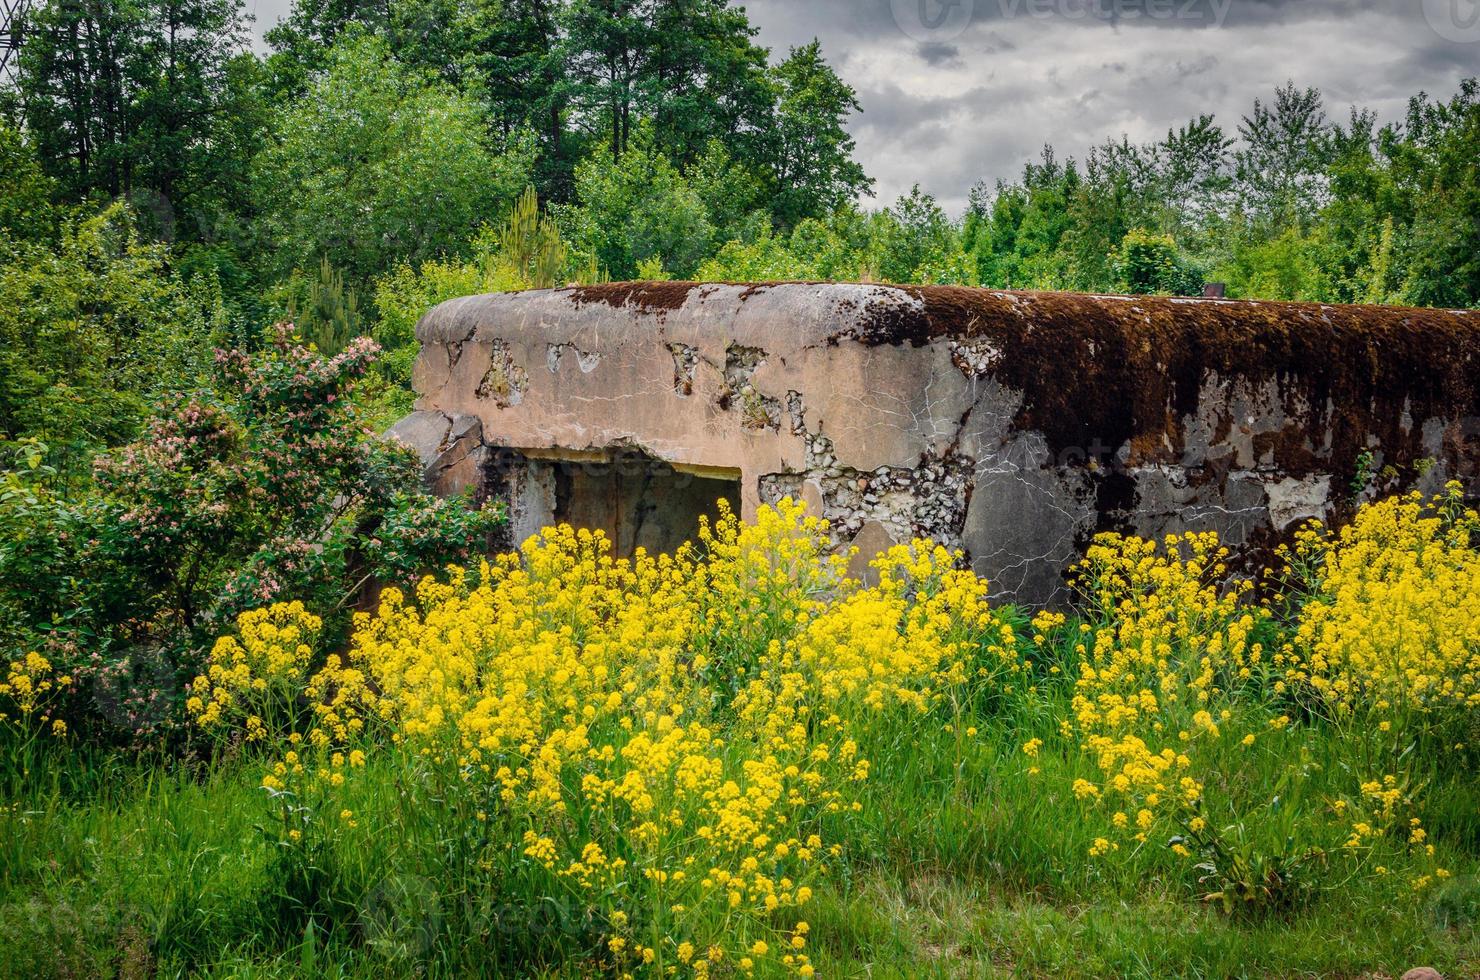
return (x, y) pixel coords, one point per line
(12, 33)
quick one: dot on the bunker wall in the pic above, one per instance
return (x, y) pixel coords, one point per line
(1013, 426)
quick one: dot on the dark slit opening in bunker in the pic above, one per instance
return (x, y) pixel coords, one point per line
(637, 500)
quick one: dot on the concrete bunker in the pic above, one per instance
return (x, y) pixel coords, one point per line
(638, 500)
(1011, 425)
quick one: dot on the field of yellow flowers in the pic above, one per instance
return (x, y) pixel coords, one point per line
(737, 761)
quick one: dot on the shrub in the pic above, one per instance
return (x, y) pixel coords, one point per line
(268, 489)
(1152, 264)
(764, 260)
(91, 329)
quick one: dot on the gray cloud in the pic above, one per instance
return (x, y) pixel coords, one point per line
(937, 53)
(1028, 72)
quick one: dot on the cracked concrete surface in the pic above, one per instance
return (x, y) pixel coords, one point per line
(891, 432)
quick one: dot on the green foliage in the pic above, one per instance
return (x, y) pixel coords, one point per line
(378, 164)
(734, 194)
(651, 270)
(833, 247)
(530, 246)
(91, 330)
(330, 317)
(141, 100)
(1242, 879)
(35, 525)
(1280, 167)
(636, 207)
(1297, 208)
(1289, 267)
(914, 241)
(230, 499)
(513, 57)
(767, 259)
(1150, 264)
(402, 297)
(26, 212)
(690, 68)
(1435, 163)
(813, 169)
(377, 135)
(524, 251)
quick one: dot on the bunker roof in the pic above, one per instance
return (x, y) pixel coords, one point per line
(1110, 367)
(888, 314)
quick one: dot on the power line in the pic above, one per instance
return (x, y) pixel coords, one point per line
(12, 33)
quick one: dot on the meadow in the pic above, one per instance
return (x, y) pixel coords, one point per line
(736, 760)
(217, 238)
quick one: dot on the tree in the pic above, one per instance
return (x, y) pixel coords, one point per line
(989, 230)
(688, 66)
(1435, 168)
(606, 46)
(517, 59)
(1119, 192)
(128, 99)
(914, 241)
(638, 207)
(26, 211)
(834, 247)
(812, 167)
(705, 80)
(1195, 177)
(1281, 166)
(379, 164)
(91, 329)
(301, 42)
(1029, 223)
(329, 315)
(735, 196)
(1359, 221)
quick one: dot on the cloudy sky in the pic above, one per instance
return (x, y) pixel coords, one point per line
(964, 90)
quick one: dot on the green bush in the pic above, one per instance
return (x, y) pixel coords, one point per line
(92, 329)
(379, 164)
(638, 207)
(1147, 264)
(271, 486)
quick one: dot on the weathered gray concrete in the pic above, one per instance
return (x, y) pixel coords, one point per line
(908, 412)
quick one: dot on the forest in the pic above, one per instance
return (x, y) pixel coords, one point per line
(268, 708)
(375, 160)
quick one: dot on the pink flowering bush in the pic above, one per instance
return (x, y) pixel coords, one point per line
(268, 487)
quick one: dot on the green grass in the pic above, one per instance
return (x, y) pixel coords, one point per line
(960, 863)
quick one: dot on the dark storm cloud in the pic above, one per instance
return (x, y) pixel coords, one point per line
(935, 54)
(986, 94)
